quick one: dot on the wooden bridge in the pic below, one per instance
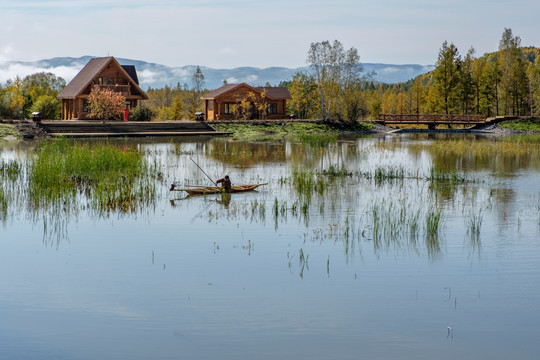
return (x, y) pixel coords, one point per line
(432, 120)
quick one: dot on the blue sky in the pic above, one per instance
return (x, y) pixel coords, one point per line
(234, 33)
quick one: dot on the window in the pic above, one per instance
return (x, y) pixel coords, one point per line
(229, 108)
(271, 108)
(86, 106)
(211, 105)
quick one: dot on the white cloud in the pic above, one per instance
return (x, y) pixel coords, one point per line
(251, 78)
(182, 74)
(12, 70)
(149, 76)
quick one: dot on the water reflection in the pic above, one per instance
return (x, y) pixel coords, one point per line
(378, 232)
(382, 191)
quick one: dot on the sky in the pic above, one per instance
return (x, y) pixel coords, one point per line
(233, 33)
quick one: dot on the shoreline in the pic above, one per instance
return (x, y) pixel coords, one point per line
(266, 129)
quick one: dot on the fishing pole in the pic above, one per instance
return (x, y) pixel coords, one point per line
(203, 171)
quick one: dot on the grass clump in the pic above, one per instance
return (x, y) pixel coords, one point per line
(109, 176)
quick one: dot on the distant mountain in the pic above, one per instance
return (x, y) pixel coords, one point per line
(157, 76)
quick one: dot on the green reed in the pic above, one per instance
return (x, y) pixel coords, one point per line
(474, 224)
(11, 170)
(434, 222)
(3, 205)
(336, 171)
(111, 177)
(446, 176)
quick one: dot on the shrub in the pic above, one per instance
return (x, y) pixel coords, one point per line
(141, 113)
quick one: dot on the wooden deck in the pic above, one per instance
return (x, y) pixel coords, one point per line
(93, 128)
(432, 120)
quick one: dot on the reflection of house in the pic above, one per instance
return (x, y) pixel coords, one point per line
(103, 73)
(222, 103)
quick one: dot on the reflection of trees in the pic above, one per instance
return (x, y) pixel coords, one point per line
(246, 154)
(480, 154)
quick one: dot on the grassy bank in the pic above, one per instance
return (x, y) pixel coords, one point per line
(9, 130)
(532, 124)
(269, 131)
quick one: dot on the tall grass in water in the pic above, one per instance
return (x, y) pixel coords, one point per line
(382, 174)
(3, 205)
(474, 224)
(445, 176)
(433, 229)
(112, 178)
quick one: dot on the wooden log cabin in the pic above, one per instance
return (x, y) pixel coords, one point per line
(103, 73)
(220, 104)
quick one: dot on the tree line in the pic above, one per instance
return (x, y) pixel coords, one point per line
(36, 92)
(504, 82)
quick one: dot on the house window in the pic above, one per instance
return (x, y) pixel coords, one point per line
(271, 108)
(211, 105)
(105, 81)
(229, 108)
(86, 106)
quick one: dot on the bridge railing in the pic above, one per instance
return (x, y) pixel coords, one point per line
(431, 118)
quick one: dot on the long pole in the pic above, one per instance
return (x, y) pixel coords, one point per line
(203, 171)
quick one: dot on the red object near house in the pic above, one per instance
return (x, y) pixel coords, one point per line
(126, 114)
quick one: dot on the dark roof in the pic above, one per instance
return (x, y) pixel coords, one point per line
(276, 92)
(83, 78)
(222, 90)
(130, 69)
(272, 92)
(90, 71)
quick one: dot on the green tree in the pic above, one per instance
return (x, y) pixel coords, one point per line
(48, 106)
(177, 107)
(37, 85)
(466, 84)
(141, 113)
(514, 79)
(335, 71)
(303, 90)
(193, 98)
(446, 76)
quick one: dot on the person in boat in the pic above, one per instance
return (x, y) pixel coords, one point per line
(225, 183)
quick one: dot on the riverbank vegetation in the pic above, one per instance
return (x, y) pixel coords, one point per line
(8, 130)
(305, 132)
(532, 124)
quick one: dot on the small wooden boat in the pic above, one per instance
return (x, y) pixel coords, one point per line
(203, 190)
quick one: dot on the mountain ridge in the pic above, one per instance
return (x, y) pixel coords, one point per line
(157, 76)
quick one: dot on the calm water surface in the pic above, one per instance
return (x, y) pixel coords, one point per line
(348, 270)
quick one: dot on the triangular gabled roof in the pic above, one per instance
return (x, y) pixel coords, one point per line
(272, 92)
(89, 72)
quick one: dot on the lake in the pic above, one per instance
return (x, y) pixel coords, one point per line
(411, 246)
